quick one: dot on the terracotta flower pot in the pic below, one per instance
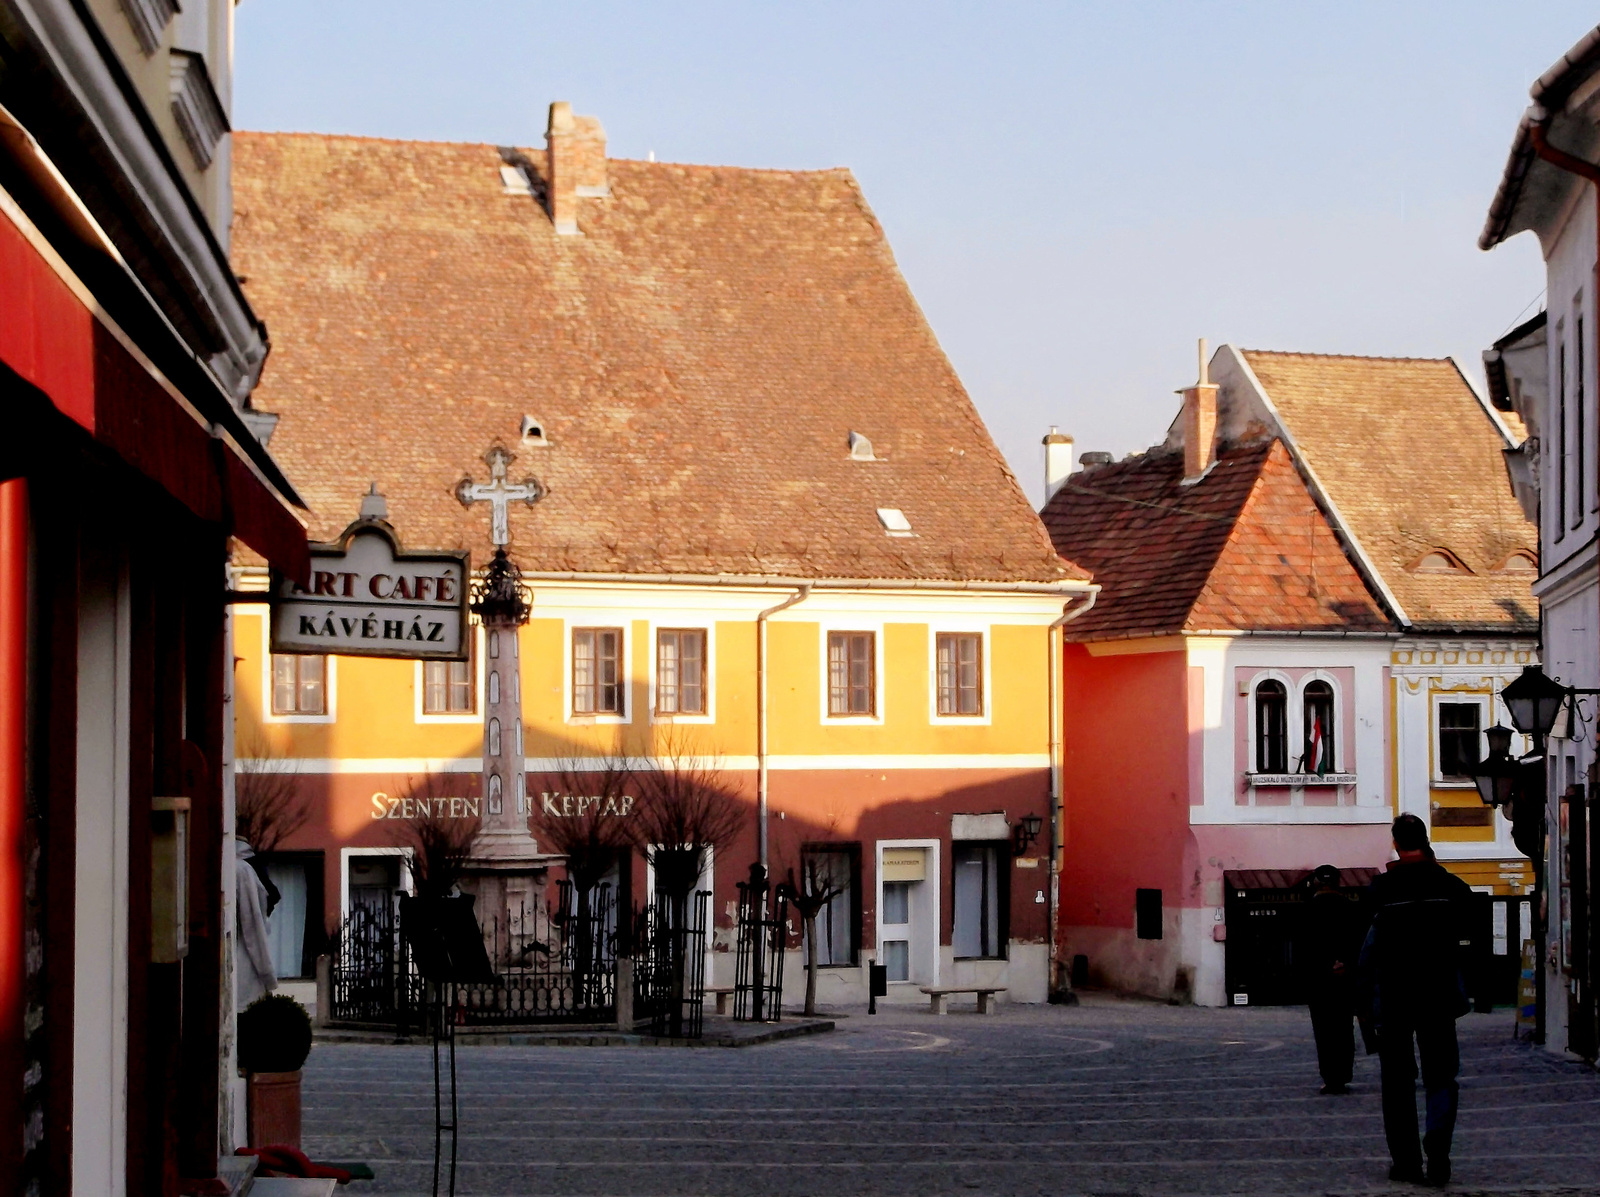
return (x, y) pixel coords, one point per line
(274, 1108)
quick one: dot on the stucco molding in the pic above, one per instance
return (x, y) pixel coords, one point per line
(196, 108)
(149, 19)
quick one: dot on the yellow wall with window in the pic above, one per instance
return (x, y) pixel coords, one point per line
(374, 703)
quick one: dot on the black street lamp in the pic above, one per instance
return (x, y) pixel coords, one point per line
(1496, 776)
(1534, 701)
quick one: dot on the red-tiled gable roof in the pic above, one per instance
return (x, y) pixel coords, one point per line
(1244, 548)
(698, 358)
(1411, 461)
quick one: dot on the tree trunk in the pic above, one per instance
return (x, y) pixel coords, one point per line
(811, 965)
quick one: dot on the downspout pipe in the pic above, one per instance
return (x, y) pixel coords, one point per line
(13, 780)
(1056, 648)
(799, 596)
(1573, 165)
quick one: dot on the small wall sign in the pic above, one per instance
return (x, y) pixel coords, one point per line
(368, 598)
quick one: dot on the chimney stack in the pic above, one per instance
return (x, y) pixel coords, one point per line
(1057, 461)
(1199, 425)
(577, 164)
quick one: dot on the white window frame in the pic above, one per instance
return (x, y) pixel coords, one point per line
(960, 627)
(690, 623)
(1297, 715)
(480, 646)
(1289, 692)
(330, 682)
(601, 619)
(848, 624)
(1485, 703)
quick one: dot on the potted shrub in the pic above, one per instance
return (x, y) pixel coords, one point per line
(274, 1041)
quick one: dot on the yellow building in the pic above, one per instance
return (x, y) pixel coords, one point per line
(775, 535)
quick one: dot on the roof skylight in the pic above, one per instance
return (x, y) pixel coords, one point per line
(894, 521)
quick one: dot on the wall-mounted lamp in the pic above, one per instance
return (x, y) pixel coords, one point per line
(1024, 833)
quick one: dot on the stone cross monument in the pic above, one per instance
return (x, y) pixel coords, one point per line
(505, 859)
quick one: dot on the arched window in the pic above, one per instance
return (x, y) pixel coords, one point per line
(494, 686)
(494, 737)
(1320, 744)
(494, 793)
(1272, 727)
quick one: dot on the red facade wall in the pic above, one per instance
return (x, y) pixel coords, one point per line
(1126, 767)
(806, 807)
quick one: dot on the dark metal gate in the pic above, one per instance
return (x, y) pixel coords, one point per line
(669, 965)
(555, 964)
(763, 935)
(372, 977)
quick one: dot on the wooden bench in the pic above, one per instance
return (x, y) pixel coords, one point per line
(939, 996)
(722, 993)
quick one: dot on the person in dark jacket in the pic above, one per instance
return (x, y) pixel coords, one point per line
(1412, 963)
(1330, 945)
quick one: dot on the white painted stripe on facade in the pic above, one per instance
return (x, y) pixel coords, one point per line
(535, 764)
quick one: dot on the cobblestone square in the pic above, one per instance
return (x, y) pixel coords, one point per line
(1106, 1098)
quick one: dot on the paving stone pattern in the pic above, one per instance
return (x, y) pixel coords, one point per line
(1107, 1098)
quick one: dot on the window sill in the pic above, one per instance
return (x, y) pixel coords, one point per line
(964, 959)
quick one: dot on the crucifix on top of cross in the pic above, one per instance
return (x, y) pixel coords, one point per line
(499, 493)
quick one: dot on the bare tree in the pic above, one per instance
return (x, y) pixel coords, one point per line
(819, 884)
(440, 844)
(687, 807)
(268, 804)
(587, 822)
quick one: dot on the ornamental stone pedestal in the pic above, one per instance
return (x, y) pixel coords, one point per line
(506, 871)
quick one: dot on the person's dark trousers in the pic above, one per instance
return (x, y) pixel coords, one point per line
(1331, 1025)
(1435, 1040)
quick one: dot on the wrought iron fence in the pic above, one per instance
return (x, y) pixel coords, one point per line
(763, 934)
(669, 944)
(553, 964)
(372, 977)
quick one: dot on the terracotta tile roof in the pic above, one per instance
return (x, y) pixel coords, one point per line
(1411, 461)
(698, 357)
(1244, 548)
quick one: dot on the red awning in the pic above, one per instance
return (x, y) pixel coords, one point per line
(53, 337)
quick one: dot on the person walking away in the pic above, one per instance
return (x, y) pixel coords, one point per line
(1412, 960)
(1330, 946)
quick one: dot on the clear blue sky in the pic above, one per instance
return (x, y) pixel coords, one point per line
(1075, 191)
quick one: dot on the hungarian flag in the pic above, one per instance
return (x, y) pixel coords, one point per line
(1318, 753)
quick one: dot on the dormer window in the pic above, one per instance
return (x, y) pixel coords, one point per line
(1439, 561)
(1518, 563)
(860, 448)
(533, 431)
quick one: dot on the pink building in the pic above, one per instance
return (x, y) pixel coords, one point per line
(1302, 629)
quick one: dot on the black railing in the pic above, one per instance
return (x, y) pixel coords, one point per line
(372, 978)
(762, 935)
(555, 964)
(669, 944)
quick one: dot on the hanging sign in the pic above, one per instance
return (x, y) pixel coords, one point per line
(367, 598)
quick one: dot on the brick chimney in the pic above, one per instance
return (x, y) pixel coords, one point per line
(1057, 461)
(577, 164)
(1199, 424)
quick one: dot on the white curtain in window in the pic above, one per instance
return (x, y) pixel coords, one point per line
(286, 925)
